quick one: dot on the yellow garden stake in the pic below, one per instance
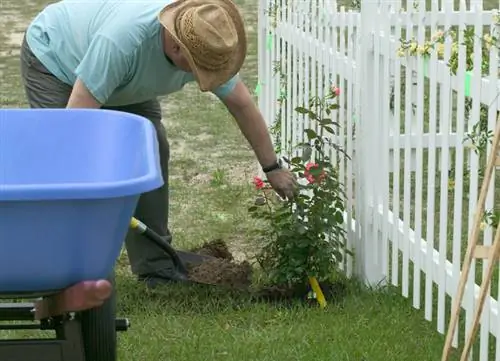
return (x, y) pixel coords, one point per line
(316, 288)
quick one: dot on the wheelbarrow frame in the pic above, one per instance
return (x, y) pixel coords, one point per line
(67, 343)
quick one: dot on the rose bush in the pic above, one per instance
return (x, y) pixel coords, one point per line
(305, 237)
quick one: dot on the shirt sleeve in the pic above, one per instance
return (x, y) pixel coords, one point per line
(103, 68)
(225, 89)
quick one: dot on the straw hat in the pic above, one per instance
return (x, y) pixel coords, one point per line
(211, 35)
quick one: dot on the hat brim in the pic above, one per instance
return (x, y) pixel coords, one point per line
(207, 80)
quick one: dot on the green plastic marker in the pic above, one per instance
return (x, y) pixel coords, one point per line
(269, 41)
(468, 77)
(258, 88)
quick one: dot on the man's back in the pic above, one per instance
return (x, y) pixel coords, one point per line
(114, 46)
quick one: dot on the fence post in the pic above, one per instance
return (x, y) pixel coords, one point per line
(367, 251)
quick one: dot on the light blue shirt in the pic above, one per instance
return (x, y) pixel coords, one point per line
(114, 46)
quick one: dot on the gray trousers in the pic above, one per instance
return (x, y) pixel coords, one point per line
(44, 90)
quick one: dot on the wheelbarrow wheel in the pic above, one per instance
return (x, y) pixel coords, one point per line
(99, 330)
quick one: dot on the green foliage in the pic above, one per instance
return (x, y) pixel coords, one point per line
(305, 237)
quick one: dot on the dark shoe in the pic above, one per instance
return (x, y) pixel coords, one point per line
(152, 281)
(162, 278)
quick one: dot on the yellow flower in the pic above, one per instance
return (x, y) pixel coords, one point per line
(438, 36)
(482, 226)
(495, 16)
(413, 47)
(401, 53)
(451, 183)
(421, 50)
(440, 50)
(488, 41)
(471, 146)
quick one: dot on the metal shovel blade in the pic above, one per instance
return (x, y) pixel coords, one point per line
(191, 259)
(182, 260)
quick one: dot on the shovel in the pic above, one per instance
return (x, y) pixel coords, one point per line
(180, 259)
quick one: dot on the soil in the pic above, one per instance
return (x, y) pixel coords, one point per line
(224, 271)
(216, 248)
(334, 292)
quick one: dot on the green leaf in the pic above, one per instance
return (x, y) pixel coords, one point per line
(329, 129)
(302, 110)
(313, 115)
(311, 134)
(306, 154)
(301, 229)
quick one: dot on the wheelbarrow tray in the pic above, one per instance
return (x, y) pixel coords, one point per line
(73, 182)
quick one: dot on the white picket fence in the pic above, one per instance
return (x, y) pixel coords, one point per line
(412, 182)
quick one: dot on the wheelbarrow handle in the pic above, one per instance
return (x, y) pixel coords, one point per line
(143, 229)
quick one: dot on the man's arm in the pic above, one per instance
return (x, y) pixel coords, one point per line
(81, 97)
(249, 119)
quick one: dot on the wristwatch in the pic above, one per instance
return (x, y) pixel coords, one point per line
(274, 166)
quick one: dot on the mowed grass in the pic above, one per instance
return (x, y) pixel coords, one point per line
(211, 172)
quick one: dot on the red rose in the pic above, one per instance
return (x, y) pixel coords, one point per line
(310, 177)
(258, 182)
(335, 90)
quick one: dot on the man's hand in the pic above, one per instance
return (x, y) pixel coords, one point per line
(79, 297)
(283, 182)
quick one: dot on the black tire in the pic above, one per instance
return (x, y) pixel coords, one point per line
(99, 330)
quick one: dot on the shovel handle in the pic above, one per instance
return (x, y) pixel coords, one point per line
(143, 229)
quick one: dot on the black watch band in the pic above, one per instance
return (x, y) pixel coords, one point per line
(276, 165)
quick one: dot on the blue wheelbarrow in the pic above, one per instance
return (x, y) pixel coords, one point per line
(70, 181)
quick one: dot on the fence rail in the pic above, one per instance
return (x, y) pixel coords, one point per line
(417, 134)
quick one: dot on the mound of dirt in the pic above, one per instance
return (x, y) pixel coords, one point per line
(217, 248)
(224, 271)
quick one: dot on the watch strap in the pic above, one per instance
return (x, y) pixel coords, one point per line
(270, 168)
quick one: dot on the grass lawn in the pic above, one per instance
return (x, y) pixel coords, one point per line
(211, 173)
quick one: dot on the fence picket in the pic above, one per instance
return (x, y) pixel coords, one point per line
(431, 173)
(395, 129)
(384, 129)
(408, 155)
(350, 134)
(419, 162)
